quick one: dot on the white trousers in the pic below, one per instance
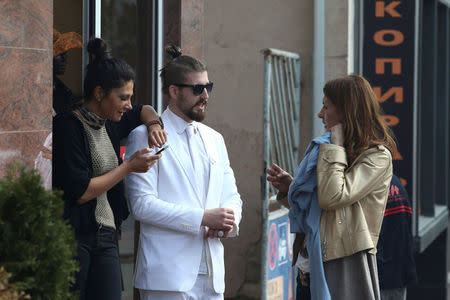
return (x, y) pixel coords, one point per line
(202, 290)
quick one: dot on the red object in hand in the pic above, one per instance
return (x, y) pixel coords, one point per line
(122, 152)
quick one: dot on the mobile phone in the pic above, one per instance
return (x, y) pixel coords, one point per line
(162, 149)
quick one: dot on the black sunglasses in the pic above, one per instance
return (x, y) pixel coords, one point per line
(197, 89)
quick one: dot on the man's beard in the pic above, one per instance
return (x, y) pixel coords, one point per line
(193, 115)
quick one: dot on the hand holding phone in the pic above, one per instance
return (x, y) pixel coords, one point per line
(162, 149)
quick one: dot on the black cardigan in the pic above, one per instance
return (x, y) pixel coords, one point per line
(395, 249)
(72, 167)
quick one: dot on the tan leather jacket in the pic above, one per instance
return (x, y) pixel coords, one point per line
(352, 199)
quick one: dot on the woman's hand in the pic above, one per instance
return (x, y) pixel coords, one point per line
(337, 135)
(47, 152)
(141, 162)
(156, 135)
(280, 179)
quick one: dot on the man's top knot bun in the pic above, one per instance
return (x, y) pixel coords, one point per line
(173, 51)
(98, 50)
(177, 66)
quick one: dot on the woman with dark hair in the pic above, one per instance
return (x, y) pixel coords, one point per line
(89, 170)
(349, 183)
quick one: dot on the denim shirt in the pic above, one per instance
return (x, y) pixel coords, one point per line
(305, 213)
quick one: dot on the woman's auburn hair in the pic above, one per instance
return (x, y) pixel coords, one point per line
(364, 126)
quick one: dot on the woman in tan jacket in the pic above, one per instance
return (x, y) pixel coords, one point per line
(353, 176)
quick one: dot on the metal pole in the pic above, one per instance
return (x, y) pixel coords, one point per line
(318, 67)
(264, 184)
(415, 154)
(159, 53)
(98, 19)
(85, 37)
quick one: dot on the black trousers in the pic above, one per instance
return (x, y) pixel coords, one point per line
(303, 292)
(99, 276)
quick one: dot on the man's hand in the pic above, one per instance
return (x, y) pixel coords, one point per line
(218, 219)
(214, 233)
(156, 135)
(280, 179)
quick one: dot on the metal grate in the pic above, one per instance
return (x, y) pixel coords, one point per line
(281, 131)
(284, 109)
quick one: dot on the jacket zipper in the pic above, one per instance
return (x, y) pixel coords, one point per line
(324, 247)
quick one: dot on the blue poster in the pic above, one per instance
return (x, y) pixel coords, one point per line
(281, 274)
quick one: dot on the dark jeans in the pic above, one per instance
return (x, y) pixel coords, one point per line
(303, 292)
(99, 276)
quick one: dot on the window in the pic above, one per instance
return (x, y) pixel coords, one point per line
(405, 56)
(433, 113)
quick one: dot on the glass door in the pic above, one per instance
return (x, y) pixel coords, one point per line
(133, 31)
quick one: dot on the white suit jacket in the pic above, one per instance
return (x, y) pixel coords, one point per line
(170, 211)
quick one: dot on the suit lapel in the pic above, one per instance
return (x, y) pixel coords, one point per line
(184, 159)
(211, 150)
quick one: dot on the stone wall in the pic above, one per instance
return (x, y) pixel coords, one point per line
(26, 54)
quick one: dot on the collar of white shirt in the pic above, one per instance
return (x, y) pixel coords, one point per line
(178, 123)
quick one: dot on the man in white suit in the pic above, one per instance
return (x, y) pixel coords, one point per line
(188, 201)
